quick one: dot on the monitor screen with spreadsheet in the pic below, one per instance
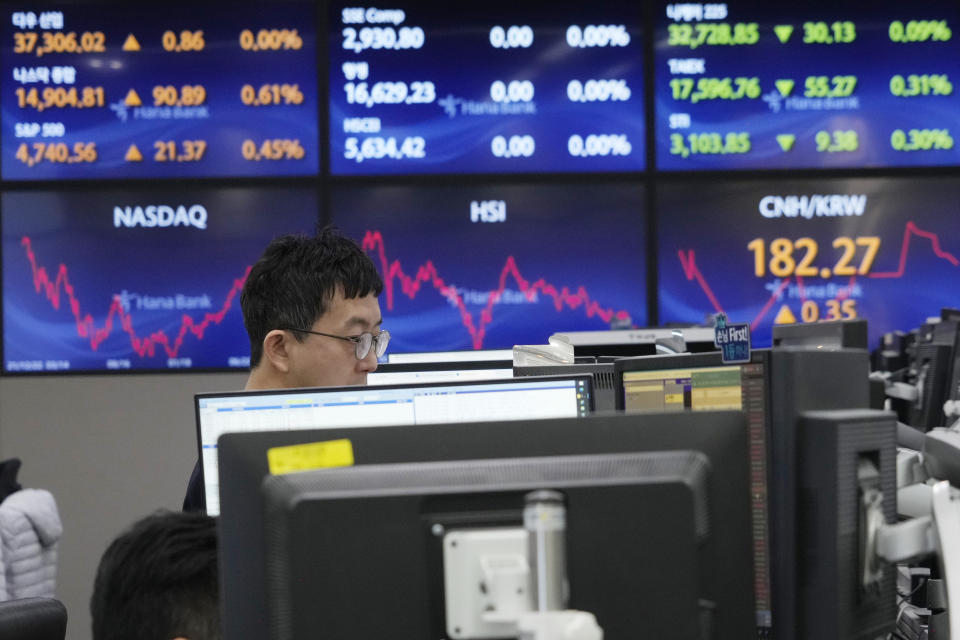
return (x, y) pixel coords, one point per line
(469, 401)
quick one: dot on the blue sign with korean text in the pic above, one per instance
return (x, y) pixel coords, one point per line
(733, 340)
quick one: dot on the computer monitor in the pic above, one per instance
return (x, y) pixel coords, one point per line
(637, 342)
(933, 363)
(846, 483)
(427, 357)
(416, 538)
(933, 366)
(947, 332)
(702, 382)
(452, 371)
(604, 387)
(291, 409)
(726, 577)
(774, 388)
(953, 390)
(827, 334)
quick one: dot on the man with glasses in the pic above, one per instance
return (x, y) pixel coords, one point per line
(310, 308)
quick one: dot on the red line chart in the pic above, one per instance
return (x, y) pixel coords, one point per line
(913, 230)
(60, 285)
(689, 263)
(393, 274)
(692, 272)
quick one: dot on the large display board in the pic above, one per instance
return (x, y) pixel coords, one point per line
(885, 249)
(498, 161)
(128, 90)
(493, 87)
(498, 265)
(136, 279)
(765, 85)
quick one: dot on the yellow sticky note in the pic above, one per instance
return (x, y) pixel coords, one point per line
(305, 457)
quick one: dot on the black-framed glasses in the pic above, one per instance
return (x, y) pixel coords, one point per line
(363, 342)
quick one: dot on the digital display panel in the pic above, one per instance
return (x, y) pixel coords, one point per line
(488, 267)
(494, 87)
(803, 250)
(136, 279)
(765, 85)
(172, 90)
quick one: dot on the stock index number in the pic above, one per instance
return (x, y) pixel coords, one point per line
(782, 263)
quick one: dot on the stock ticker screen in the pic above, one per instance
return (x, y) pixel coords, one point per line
(125, 279)
(497, 160)
(489, 267)
(763, 85)
(493, 87)
(780, 251)
(177, 90)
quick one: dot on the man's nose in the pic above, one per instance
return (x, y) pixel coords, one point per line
(369, 364)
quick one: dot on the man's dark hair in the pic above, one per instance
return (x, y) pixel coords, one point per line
(158, 580)
(297, 276)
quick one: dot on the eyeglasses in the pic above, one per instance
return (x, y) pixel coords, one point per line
(363, 341)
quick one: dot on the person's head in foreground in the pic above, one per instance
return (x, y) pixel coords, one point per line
(158, 581)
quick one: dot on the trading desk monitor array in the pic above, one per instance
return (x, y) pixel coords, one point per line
(217, 414)
(610, 532)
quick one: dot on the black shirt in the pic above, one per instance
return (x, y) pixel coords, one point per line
(195, 500)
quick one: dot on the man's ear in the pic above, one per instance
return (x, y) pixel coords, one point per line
(276, 349)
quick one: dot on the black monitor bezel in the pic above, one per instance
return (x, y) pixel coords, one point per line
(244, 465)
(444, 497)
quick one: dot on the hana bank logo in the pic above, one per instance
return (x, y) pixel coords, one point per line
(450, 104)
(120, 108)
(773, 100)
